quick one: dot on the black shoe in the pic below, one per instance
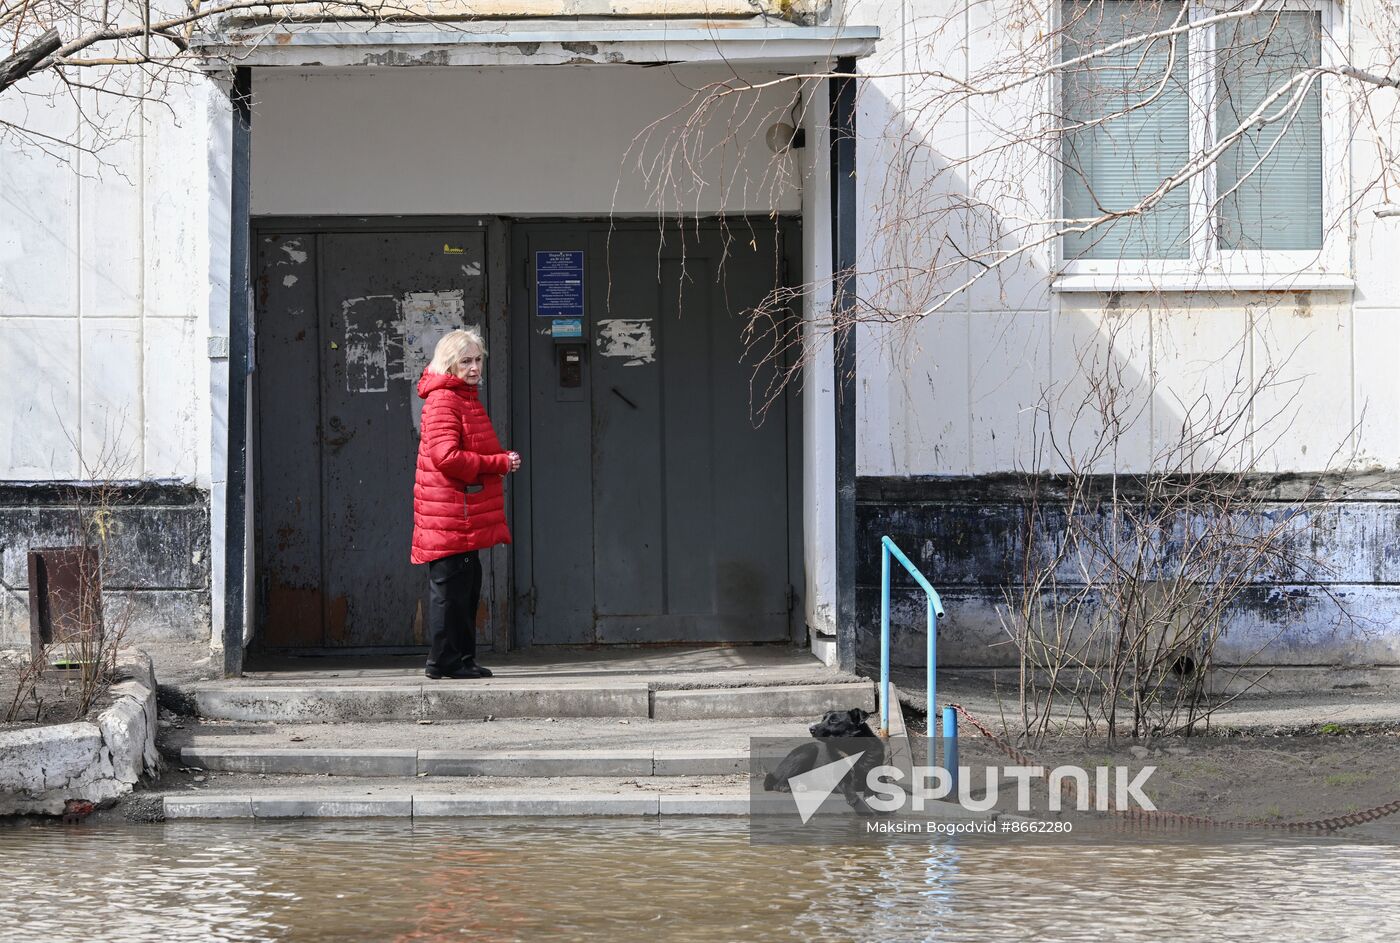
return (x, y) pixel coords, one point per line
(461, 672)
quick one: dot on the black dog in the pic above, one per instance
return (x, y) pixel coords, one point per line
(831, 733)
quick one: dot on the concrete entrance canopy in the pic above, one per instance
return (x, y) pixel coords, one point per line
(753, 42)
(345, 48)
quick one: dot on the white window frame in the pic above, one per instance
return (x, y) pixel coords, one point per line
(1209, 267)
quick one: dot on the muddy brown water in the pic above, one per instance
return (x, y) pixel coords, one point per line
(701, 880)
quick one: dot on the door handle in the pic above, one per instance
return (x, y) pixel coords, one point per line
(619, 395)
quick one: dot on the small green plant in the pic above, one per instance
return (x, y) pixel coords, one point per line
(1345, 779)
(1331, 730)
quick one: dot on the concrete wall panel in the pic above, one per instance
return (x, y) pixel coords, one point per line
(1008, 373)
(1304, 419)
(1376, 341)
(548, 140)
(39, 413)
(173, 350)
(176, 212)
(96, 239)
(928, 393)
(38, 203)
(1099, 406)
(1203, 365)
(110, 199)
(112, 414)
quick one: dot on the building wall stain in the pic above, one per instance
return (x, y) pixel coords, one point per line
(154, 538)
(970, 537)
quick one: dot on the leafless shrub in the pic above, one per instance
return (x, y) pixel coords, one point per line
(1128, 581)
(80, 662)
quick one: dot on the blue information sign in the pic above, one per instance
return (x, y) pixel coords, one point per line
(559, 284)
(567, 329)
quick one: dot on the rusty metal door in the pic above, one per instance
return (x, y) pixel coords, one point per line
(659, 506)
(346, 321)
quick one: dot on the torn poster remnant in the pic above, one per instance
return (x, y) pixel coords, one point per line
(627, 337)
(427, 315)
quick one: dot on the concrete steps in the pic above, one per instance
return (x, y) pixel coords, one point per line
(245, 797)
(433, 805)
(582, 733)
(520, 747)
(474, 700)
(530, 763)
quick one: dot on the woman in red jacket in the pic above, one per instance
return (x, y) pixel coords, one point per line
(458, 500)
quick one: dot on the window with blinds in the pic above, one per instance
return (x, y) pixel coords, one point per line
(1127, 130)
(1127, 126)
(1269, 182)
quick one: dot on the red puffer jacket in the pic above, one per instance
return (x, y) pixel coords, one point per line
(457, 448)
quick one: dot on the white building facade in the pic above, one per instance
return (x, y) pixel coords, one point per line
(132, 282)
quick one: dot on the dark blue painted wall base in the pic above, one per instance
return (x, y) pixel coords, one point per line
(156, 565)
(967, 534)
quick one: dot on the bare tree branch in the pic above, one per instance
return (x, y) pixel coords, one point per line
(23, 62)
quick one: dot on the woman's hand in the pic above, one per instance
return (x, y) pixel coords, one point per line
(514, 460)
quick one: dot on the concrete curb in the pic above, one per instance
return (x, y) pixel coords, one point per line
(430, 805)
(445, 700)
(42, 768)
(703, 805)
(293, 704)
(682, 762)
(535, 763)
(330, 807)
(456, 700)
(208, 807)
(315, 762)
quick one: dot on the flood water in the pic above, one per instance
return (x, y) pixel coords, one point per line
(625, 879)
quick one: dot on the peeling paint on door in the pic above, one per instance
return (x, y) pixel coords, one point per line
(366, 323)
(293, 250)
(425, 317)
(630, 338)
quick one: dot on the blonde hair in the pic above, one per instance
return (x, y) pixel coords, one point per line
(449, 349)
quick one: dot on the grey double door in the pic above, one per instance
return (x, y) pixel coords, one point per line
(659, 497)
(654, 505)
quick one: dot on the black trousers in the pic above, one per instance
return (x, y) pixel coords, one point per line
(454, 590)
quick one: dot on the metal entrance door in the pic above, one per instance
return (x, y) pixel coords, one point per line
(659, 507)
(346, 321)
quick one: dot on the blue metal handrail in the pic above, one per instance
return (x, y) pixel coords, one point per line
(935, 610)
